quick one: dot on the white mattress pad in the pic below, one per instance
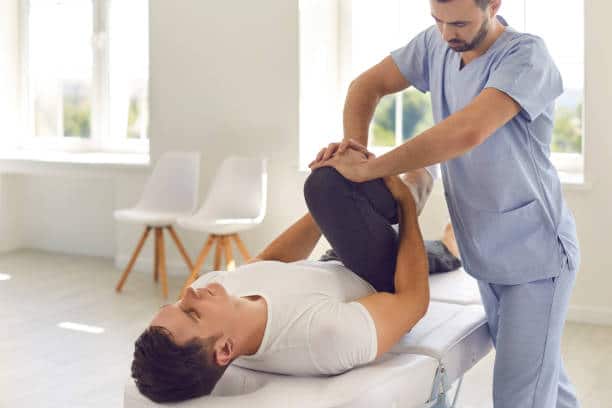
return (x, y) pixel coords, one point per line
(454, 287)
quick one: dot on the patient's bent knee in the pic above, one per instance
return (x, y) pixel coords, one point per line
(323, 182)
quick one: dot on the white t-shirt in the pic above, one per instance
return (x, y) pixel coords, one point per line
(314, 327)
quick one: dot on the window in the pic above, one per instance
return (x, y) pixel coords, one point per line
(398, 117)
(85, 68)
(368, 30)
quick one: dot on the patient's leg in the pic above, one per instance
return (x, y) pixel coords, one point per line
(356, 219)
(359, 230)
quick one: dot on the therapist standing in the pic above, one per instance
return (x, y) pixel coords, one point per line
(493, 91)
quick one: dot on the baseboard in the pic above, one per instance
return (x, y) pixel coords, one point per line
(591, 315)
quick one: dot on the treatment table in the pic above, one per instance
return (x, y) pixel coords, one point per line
(423, 370)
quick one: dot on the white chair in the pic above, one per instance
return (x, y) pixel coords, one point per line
(170, 192)
(235, 202)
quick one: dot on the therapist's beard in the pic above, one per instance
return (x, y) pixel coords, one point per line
(462, 46)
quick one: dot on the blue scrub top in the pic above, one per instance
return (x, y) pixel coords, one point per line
(504, 196)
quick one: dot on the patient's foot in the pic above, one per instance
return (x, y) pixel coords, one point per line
(420, 183)
(448, 239)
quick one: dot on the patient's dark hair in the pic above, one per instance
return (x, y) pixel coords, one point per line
(167, 372)
(480, 3)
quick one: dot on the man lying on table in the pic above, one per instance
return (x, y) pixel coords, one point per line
(284, 314)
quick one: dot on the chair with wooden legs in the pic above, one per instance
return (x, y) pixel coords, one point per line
(170, 193)
(235, 202)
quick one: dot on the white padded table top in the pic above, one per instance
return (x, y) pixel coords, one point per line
(456, 335)
(454, 287)
(452, 335)
(401, 377)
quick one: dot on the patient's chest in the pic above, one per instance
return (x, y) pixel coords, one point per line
(286, 347)
(295, 293)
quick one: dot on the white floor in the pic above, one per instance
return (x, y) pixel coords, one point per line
(42, 365)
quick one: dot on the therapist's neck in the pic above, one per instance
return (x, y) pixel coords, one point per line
(495, 30)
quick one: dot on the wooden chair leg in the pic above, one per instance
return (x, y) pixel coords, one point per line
(180, 247)
(241, 248)
(230, 265)
(128, 269)
(156, 256)
(200, 261)
(162, 262)
(220, 245)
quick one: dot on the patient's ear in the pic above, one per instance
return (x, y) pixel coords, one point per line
(224, 351)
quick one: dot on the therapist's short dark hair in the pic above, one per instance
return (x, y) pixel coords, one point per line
(166, 372)
(480, 3)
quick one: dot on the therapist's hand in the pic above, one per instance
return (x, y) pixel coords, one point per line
(352, 164)
(328, 152)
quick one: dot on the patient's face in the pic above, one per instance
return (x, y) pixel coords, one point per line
(202, 312)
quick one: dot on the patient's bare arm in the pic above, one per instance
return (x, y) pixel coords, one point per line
(294, 244)
(396, 313)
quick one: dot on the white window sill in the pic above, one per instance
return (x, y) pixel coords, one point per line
(22, 161)
(573, 181)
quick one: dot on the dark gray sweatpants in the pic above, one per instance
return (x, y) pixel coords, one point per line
(357, 220)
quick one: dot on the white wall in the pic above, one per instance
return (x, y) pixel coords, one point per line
(10, 231)
(65, 214)
(9, 65)
(591, 299)
(224, 80)
(11, 235)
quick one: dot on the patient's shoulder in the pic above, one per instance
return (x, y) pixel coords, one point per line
(341, 336)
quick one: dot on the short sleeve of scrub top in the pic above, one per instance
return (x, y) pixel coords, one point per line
(413, 61)
(527, 73)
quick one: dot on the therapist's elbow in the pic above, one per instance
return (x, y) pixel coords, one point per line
(366, 85)
(473, 136)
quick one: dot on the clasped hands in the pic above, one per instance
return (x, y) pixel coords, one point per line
(352, 159)
(349, 157)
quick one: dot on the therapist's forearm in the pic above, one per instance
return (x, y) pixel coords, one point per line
(449, 139)
(359, 106)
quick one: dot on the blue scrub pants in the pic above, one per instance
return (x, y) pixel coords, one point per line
(526, 323)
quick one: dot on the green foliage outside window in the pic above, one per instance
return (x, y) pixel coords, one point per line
(567, 133)
(77, 110)
(77, 120)
(133, 132)
(417, 117)
(383, 124)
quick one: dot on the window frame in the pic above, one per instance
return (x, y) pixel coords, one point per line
(100, 139)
